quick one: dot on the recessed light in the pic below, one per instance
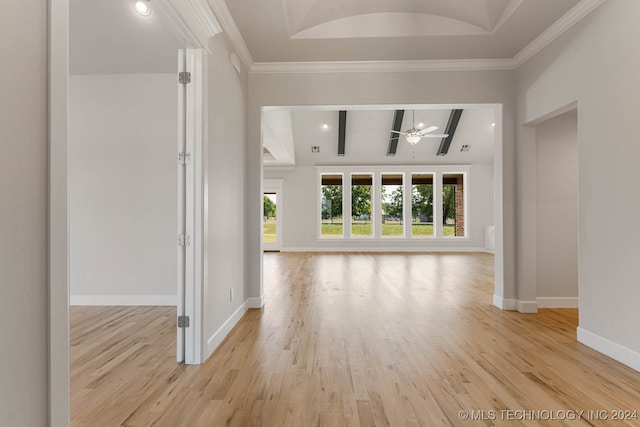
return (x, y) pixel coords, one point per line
(493, 124)
(143, 7)
(420, 125)
(325, 126)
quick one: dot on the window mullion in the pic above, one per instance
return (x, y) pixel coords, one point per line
(406, 208)
(437, 204)
(377, 205)
(346, 206)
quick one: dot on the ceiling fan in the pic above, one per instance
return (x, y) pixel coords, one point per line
(414, 135)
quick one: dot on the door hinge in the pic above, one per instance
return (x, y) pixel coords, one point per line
(184, 77)
(183, 321)
(184, 240)
(184, 158)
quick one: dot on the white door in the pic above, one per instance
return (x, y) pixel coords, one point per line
(190, 134)
(272, 215)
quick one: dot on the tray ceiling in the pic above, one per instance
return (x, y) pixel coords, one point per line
(374, 30)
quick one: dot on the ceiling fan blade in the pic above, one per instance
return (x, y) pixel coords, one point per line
(401, 133)
(429, 129)
(435, 135)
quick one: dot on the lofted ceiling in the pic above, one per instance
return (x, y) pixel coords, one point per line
(378, 30)
(290, 134)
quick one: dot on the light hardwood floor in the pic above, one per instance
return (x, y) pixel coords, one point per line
(350, 340)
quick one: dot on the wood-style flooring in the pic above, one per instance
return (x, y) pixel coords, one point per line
(352, 340)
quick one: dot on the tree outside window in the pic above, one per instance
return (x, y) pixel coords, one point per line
(422, 205)
(331, 206)
(361, 204)
(392, 205)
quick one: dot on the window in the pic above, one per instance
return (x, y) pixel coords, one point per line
(453, 216)
(331, 206)
(393, 202)
(392, 205)
(422, 205)
(361, 204)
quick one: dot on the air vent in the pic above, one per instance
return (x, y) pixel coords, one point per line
(315, 148)
(465, 148)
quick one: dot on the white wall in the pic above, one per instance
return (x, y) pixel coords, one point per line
(300, 228)
(397, 88)
(123, 190)
(225, 196)
(557, 211)
(595, 64)
(23, 214)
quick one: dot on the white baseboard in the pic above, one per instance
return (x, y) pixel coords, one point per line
(515, 305)
(387, 249)
(504, 304)
(527, 306)
(256, 302)
(614, 350)
(214, 341)
(123, 300)
(557, 302)
(533, 306)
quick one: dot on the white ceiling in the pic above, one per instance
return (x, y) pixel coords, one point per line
(109, 37)
(367, 137)
(373, 30)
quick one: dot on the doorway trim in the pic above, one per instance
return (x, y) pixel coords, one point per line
(191, 131)
(193, 24)
(527, 220)
(501, 290)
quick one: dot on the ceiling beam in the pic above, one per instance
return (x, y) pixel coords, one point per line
(342, 132)
(393, 137)
(452, 125)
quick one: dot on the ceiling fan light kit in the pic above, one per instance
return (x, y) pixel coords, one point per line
(413, 139)
(414, 135)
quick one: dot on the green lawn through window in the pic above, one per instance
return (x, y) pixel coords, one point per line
(393, 229)
(269, 231)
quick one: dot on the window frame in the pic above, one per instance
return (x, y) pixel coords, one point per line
(373, 214)
(403, 174)
(407, 172)
(434, 202)
(465, 198)
(319, 207)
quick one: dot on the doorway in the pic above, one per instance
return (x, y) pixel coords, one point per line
(557, 211)
(272, 198)
(134, 161)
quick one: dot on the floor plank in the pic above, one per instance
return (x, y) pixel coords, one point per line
(349, 340)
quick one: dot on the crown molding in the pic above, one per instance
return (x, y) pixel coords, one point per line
(202, 11)
(192, 21)
(381, 66)
(566, 21)
(230, 27)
